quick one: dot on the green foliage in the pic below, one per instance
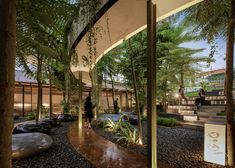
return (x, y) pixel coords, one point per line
(65, 107)
(169, 122)
(129, 135)
(45, 112)
(74, 110)
(222, 113)
(123, 129)
(115, 126)
(31, 115)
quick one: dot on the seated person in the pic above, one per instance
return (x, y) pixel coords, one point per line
(201, 100)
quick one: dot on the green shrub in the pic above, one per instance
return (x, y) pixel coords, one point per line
(65, 107)
(31, 116)
(222, 113)
(169, 122)
(45, 112)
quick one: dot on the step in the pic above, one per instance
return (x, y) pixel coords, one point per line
(199, 113)
(181, 107)
(211, 119)
(186, 112)
(190, 117)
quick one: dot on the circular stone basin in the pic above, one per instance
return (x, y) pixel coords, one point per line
(29, 144)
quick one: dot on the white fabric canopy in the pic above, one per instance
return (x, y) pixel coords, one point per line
(124, 19)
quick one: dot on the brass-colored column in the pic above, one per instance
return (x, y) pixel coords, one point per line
(151, 85)
(80, 100)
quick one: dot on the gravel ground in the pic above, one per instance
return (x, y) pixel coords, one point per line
(60, 155)
(180, 147)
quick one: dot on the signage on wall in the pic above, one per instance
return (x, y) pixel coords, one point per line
(214, 145)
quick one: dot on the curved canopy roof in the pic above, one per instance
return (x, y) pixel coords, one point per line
(122, 20)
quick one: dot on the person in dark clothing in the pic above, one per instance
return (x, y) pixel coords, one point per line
(201, 100)
(115, 106)
(88, 107)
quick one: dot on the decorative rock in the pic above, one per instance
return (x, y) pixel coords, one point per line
(53, 122)
(29, 144)
(28, 128)
(66, 117)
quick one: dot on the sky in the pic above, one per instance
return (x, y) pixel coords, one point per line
(219, 55)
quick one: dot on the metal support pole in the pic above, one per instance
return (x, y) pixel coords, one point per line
(80, 100)
(23, 100)
(151, 85)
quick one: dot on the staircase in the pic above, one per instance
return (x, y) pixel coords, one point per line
(206, 113)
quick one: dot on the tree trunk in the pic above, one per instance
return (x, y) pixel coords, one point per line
(112, 83)
(164, 97)
(39, 100)
(107, 96)
(51, 104)
(137, 108)
(182, 75)
(67, 86)
(229, 86)
(7, 77)
(94, 91)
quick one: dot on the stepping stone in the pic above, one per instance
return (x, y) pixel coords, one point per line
(30, 127)
(29, 144)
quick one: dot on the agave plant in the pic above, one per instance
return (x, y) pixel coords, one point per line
(115, 126)
(129, 135)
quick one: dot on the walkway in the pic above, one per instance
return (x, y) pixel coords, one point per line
(103, 153)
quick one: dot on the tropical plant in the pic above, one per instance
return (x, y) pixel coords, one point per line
(42, 29)
(129, 135)
(115, 126)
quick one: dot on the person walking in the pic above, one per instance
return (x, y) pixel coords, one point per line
(88, 106)
(181, 95)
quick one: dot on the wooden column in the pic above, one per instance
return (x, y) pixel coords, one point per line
(120, 100)
(151, 85)
(80, 100)
(127, 101)
(23, 100)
